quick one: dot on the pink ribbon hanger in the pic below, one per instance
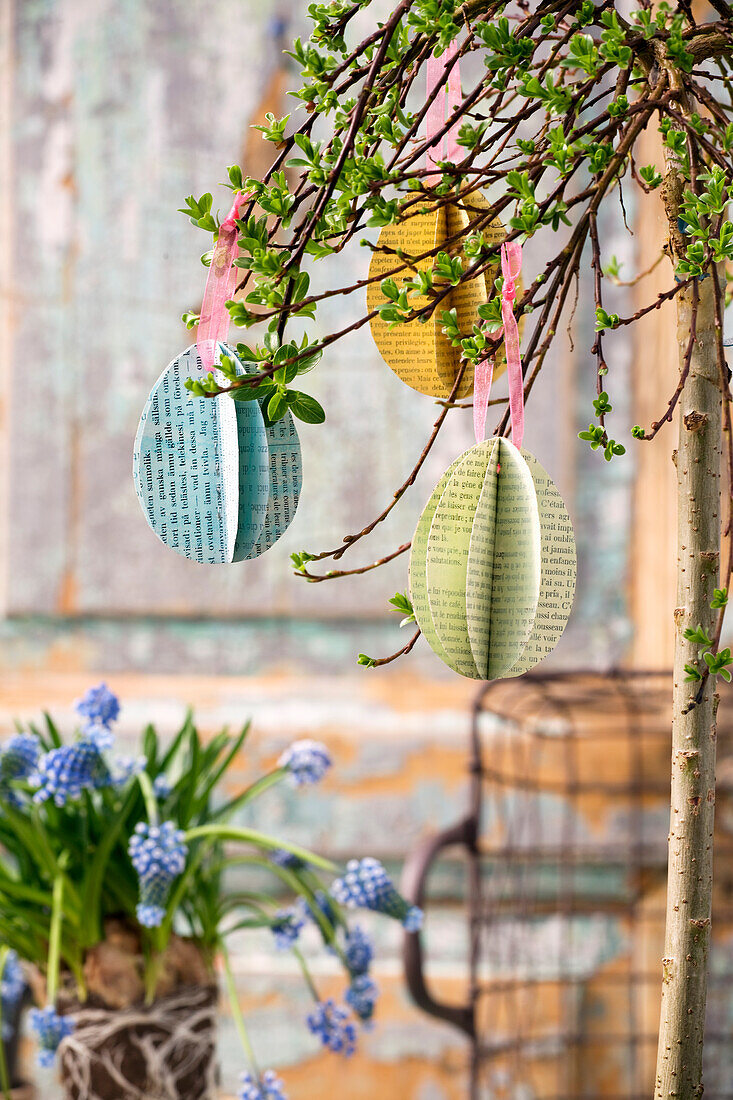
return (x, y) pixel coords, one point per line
(445, 147)
(511, 266)
(220, 283)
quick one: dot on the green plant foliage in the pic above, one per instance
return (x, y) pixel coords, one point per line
(72, 813)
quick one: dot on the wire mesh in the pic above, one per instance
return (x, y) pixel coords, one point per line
(567, 897)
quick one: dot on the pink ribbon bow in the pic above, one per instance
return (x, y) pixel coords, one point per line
(220, 283)
(511, 265)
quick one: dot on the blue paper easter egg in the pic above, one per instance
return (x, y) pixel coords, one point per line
(286, 479)
(202, 467)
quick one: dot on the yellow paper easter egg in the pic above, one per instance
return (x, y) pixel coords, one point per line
(419, 353)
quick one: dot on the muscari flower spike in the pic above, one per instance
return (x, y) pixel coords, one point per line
(162, 786)
(65, 772)
(12, 988)
(332, 1025)
(124, 768)
(19, 756)
(158, 855)
(12, 980)
(99, 706)
(267, 1087)
(325, 906)
(306, 762)
(361, 996)
(100, 736)
(50, 1028)
(358, 951)
(287, 859)
(18, 760)
(366, 885)
(286, 927)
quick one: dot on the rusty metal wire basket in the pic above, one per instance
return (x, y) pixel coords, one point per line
(564, 845)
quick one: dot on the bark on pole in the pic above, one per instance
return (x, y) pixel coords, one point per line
(690, 867)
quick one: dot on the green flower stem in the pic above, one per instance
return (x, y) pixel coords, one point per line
(180, 888)
(296, 884)
(237, 1013)
(260, 840)
(257, 788)
(153, 967)
(54, 939)
(306, 973)
(151, 802)
(4, 1079)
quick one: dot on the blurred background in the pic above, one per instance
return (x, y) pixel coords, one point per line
(112, 112)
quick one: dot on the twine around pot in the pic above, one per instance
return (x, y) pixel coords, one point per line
(163, 1051)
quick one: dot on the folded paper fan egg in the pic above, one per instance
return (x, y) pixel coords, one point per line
(420, 354)
(493, 564)
(286, 478)
(216, 485)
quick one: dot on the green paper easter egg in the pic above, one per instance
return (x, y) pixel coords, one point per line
(493, 564)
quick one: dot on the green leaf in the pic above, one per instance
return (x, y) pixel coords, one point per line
(305, 407)
(277, 406)
(700, 636)
(249, 393)
(720, 598)
(208, 787)
(99, 868)
(401, 602)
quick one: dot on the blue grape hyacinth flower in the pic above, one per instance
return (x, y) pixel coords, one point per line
(286, 927)
(366, 885)
(361, 996)
(63, 773)
(267, 1087)
(18, 760)
(12, 980)
(358, 951)
(287, 859)
(19, 756)
(333, 1026)
(51, 1029)
(306, 762)
(325, 907)
(99, 736)
(158, 855)
(162, 786)
(125, 768)
(12, 988)
(100, 707)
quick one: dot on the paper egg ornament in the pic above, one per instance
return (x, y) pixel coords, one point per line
(420, 354)
(286, 479)
(492, 564)
(216, 485)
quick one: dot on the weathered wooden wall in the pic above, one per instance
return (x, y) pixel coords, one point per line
(113, 110)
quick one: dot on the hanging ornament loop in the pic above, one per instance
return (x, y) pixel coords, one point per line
(511, 266)
(220, 284)
(446, 146)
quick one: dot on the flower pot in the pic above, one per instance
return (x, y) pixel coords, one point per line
(162, 1051)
